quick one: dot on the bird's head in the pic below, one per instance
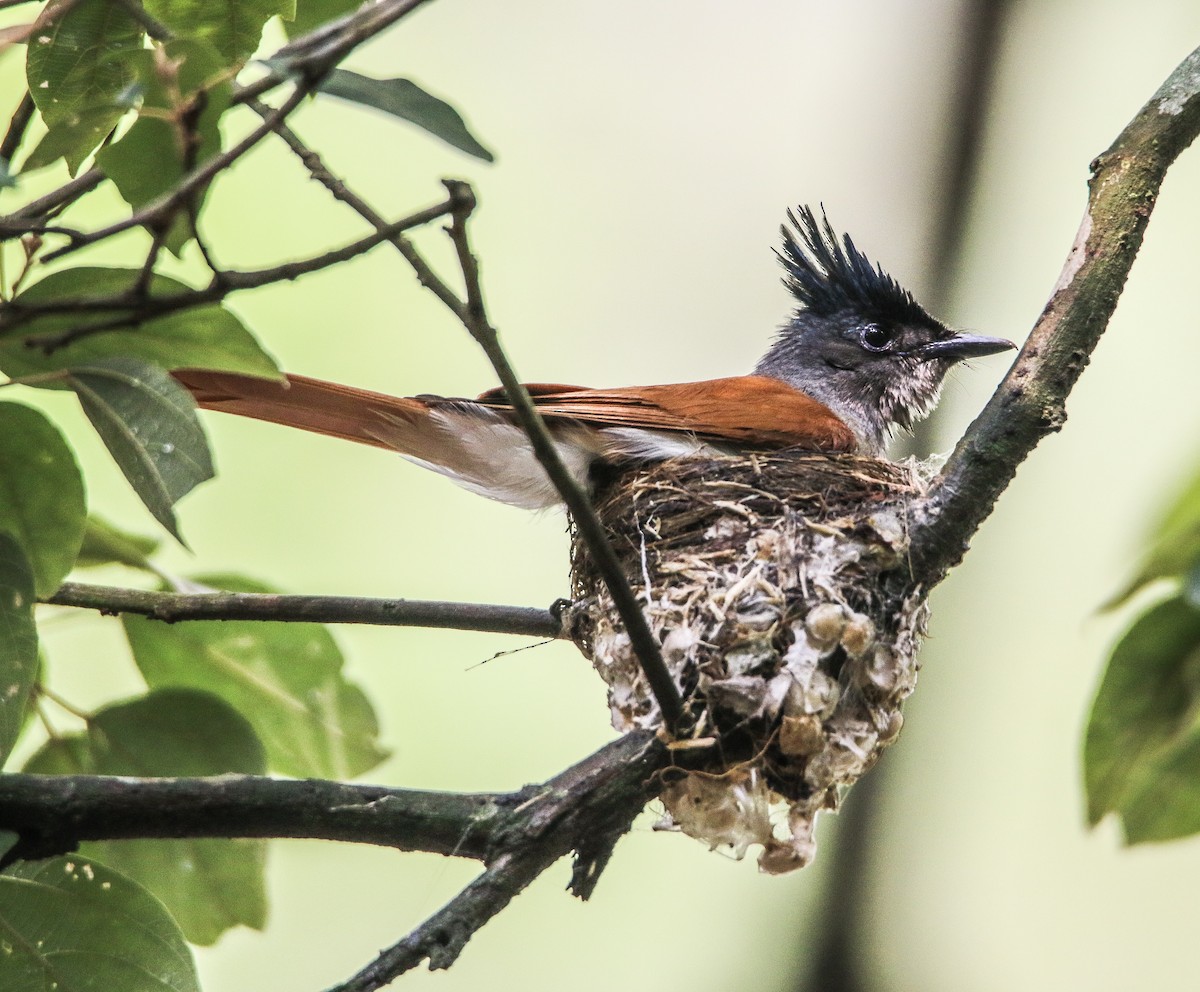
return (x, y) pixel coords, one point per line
(858, 341)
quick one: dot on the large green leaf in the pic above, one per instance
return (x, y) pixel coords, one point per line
(104, 544)
(18, 642)
(203, 337)
(209, 885)
(405, 99)
(285, 678)
(77, 69)
(148, 423)
(42, 503)
(72, 925)
(1143, 723)
(232, 27)
(184, 93)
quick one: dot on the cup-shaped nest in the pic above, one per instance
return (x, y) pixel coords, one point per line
(775, 584)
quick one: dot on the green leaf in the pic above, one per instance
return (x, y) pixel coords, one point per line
(77, 69)
(18, 642)
(86, 130)
(405, 99)
(148, 423)
(209, 885)
(1166, 802)
(42, 502)
(72, 925)
(1175, 549)
(207, 337)
(1143, 722)
(312, 13)
(285, 678)
(232, 27)
(185, 92)
(104, 544)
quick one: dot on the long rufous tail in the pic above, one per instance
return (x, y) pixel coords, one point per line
(477, 447)
(309, 404)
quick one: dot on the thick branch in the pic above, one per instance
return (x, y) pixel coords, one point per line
(649, 655)
(1030, 402)
(173, 607)
(54, 813)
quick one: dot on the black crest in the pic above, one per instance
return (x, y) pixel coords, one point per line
(828, 275)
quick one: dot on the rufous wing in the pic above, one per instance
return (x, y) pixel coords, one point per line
(748, 411)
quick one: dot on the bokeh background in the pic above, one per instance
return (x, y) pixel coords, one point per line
(647, 150)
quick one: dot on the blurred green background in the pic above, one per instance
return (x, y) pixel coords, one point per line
(647, 151)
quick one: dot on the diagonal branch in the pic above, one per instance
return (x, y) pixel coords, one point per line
(1030, 402)
(174, 607)
(649, 655)
(586, 809)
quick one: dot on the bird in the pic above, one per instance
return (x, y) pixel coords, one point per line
(857, 360)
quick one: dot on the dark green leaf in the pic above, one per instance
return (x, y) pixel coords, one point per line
(405, 99)
(205, 337)
(208, 885)
(42, 502)
(86, 130)
(104, 544)
(72, 925)
(232, 27)
(77, 69)
(1142, 721)
(148, 423)
(311, 13)
(18, 642)
(285, 678)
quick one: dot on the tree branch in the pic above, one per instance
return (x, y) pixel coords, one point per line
(135, 306)
(53, 814)
(1030, 402)
(649, 655)
(586, 809)
(518, 834)
(174, 607)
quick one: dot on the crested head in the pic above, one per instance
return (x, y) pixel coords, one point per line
(829, 275)
(858, 341)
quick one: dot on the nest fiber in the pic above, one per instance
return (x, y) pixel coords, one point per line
(775, 585)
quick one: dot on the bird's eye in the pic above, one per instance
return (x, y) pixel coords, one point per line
(876, 337)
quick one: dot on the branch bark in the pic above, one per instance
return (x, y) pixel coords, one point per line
(1030, 402)
(175, 607)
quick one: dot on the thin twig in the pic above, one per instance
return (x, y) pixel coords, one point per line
(12, 226)
(151, 25)
(168, 203)
(340, 191)
(175, 607)
(16, 129)
(134, 306)
(644, 644)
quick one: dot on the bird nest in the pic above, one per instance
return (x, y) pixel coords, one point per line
(775, 585)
